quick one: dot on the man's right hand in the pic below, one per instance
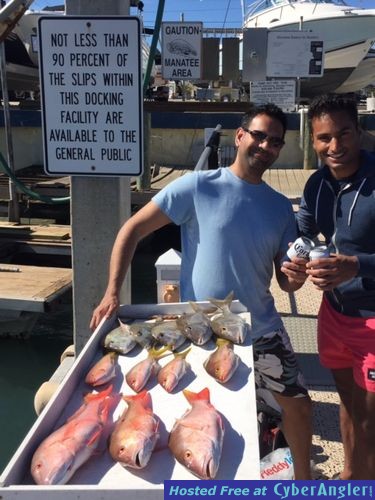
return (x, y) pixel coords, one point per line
(108, 305)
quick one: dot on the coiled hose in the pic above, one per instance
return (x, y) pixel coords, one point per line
(29, 192)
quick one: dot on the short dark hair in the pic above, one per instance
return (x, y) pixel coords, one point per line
(329, 103)
(268, 109)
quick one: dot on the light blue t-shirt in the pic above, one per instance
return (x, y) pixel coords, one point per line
(231, 231)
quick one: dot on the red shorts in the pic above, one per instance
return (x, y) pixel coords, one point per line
(347, 342)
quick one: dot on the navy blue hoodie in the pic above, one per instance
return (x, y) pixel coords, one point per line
(344, 212)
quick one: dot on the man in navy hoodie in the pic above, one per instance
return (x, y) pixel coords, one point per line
(339, 203)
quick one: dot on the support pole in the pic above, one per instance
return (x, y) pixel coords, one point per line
(13, 207)
(309, 156)
(99, 206)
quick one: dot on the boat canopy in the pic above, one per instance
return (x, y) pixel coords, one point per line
(261, 5)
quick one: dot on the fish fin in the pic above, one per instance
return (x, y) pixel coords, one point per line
(94, 438)
(203, 395)
(142, 397)
(221, 303)
(195, 306)
(124, 326)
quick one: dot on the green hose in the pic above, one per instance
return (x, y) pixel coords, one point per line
(24, 189)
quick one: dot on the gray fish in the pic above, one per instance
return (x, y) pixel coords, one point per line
(226, 324)
(195, 326)
(141, 333)
(120, 339)
(168, 333)
(223, 362)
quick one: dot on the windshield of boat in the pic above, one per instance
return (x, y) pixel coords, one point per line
(260, 5)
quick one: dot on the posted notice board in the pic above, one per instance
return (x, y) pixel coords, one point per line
(92, 100)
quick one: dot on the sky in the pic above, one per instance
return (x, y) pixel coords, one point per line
(213, 13)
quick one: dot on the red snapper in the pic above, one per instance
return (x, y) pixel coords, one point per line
(66, 449)
(136, 432)
(196, 439)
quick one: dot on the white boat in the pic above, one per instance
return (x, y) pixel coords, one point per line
(348, 33)
(362, 76)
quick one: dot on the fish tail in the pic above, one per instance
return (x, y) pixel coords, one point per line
(203, 395)
(114, 357)
(99, 395)
(220, 342)
(182, 354)
(159, 353)
(142, 397)
(224, 302)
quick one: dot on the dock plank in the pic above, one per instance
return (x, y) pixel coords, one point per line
(47, 232)
(33, 287)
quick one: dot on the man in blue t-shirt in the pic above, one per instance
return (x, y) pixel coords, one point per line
(235, 229)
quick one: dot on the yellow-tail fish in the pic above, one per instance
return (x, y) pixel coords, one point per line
(170, 375)
(103, 371)
(138, 376)
(223, 362)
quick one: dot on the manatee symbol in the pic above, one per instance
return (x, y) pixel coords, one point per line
(181, 47)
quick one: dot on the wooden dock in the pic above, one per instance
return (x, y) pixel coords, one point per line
(32, 288)
(287, 181)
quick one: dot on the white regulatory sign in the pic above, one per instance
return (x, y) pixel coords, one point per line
(181, 51)
(91, 85)
(294, 54)
(280, 92)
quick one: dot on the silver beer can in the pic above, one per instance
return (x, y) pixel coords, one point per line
(300, 248)
(319, 252)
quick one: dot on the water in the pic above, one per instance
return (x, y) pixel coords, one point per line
(26, 364)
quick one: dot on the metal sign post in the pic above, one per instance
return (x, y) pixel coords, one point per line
(13, 207)
(99, 206)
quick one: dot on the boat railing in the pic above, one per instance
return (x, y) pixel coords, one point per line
(209, 156)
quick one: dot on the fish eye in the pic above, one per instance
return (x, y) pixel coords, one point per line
(217, 369)
(188, 454)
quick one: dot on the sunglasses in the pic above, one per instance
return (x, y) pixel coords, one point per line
(257, 135)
